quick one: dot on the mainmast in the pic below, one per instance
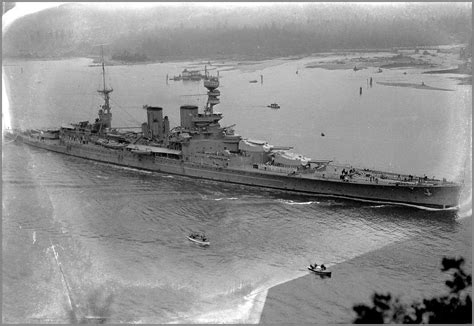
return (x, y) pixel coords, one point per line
(105, 116)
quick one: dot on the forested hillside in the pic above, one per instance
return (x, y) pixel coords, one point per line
(191, 31)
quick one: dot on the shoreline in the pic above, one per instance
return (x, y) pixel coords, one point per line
(409, 57)
(441, 61)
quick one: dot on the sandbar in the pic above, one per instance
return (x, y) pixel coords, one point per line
(413, 85)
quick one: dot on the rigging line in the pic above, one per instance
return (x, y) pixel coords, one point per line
(120, 107)
(124, 110)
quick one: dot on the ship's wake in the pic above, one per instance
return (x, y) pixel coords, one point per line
(227, 198)
(291, 202)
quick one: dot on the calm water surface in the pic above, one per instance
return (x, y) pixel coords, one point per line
(119, 233)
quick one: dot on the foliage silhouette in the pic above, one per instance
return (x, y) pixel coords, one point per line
(452, 308)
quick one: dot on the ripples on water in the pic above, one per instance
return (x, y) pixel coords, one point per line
(124, 231)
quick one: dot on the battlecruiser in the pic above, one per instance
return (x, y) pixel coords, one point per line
(201, 148)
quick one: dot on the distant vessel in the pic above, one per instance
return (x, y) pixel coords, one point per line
(199, 147)
(194, 75)
(273, 106)
(253, 81)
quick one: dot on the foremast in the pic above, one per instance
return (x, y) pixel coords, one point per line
(105, 116)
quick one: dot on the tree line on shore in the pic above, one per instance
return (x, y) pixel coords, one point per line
(159, 33)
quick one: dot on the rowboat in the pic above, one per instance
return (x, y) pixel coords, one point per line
(200, 242)
(320, 272)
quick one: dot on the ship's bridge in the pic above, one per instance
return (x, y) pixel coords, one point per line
(206, 119)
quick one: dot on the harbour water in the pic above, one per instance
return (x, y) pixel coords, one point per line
(119, 235)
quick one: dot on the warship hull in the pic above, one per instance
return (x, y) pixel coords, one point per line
(439, 196)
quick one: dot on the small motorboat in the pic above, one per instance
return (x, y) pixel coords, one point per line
(199, 240)
(273, 106)
(323, 273)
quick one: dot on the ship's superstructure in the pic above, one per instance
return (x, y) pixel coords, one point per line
(199, 147)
